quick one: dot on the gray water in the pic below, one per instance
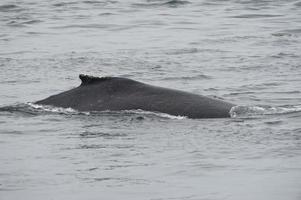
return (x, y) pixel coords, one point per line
(247, 52)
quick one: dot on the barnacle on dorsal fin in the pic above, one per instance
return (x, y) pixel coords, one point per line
(87, 79)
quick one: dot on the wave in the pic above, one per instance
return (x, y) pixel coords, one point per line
(171, 3)
(252, 16)
(36, 109)
(7, 7)
(195, 77)
(62, 4)
(235, 112)
(288, 32)
(256, 111)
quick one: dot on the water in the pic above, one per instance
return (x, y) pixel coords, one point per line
(246, 52)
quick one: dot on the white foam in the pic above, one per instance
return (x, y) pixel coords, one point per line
(53, 109)
(164, 115)
(72, 111)
(247, 111)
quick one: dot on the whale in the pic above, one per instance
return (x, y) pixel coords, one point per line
(118, 94)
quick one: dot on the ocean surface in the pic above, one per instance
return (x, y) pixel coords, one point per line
(247, 52)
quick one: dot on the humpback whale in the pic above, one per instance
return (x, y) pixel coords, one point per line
(116, 94)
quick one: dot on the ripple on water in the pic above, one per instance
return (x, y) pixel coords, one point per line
(195, 77)
(104, 2)
(86, 26)
(8, 8)
(106, 14)
(62, 4)
(288, 33)
(87, 2)
(34, 21)
(254, 16)
(14, 132)
(90, 134)
(298, 4)
(171, 4)
(274, 122)
(16, 24)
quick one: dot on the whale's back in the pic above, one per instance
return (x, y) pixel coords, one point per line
(115, 93)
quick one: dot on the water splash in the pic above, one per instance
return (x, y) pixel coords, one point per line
(235, 112)
(36, 109)
(52, 109)
(255, 111)
(149, 113)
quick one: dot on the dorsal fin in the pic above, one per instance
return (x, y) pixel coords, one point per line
(86, 79)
